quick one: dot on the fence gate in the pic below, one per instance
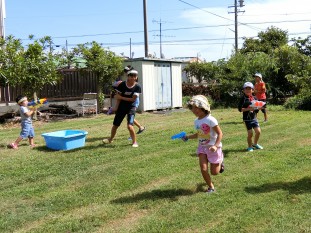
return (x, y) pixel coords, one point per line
(163, 85)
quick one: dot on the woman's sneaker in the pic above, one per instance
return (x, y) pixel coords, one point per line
(258, 147)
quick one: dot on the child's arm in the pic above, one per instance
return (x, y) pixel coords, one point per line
(191, 136)
(31, 112)
(248, 109)
(119, 97)
(218, 140)
(263, 88)
(116, 106)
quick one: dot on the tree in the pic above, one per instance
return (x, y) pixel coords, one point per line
(195, 69)
(31, 68)
(103, 63)
(240, 69)
(40, 66)
(11, 60)
(299, 75)
(274, 43)
(267, 41)
(298, 71)
(303, 45)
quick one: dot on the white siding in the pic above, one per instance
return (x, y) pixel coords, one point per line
(147, 79)
(176, 85)
(147, 99)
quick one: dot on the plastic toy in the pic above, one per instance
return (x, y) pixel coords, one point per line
(37, 102)
(257, 104)
(180, 135)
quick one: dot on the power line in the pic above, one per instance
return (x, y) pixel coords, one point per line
(205, 10)
(175, 29)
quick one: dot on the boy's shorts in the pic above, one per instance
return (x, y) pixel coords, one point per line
(120, 114)
(27, 131)
(213, 157)
(251, 124)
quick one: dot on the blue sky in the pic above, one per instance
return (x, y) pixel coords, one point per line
(190, 28)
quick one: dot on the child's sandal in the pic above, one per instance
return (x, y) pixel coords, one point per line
(13, 146)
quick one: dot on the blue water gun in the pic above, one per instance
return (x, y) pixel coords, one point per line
(181, 135)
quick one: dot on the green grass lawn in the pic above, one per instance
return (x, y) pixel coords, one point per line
(158, 187)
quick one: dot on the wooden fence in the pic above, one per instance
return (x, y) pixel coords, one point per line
(72, 86)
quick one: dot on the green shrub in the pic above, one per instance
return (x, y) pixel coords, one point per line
(191, 89)
(299, 102)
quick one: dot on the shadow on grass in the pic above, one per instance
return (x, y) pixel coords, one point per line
(48, 150)
(100, 139)
(171, 194)
(43, 148)
(229, 151)
(296, 187)
(86, 147)
(200, 187)
(95, 139)
(231, 123)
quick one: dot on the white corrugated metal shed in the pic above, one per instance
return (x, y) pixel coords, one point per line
(161, 82)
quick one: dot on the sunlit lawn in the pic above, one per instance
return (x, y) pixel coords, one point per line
(157, 187)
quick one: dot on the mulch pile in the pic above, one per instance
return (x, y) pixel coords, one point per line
(45, 113)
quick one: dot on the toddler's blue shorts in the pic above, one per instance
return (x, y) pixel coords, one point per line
(27, 130)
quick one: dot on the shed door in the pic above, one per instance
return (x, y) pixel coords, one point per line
(163, 85)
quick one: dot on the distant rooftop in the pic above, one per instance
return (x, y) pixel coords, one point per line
(187, 59)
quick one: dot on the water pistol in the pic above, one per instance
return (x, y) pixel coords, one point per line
(181, 135)
(257, 104)
(37, 102)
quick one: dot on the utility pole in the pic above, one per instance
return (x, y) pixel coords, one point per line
(145, 28)
(131, 48)
(236, 11)
(160, 35)
(67, 55)
(2, 17)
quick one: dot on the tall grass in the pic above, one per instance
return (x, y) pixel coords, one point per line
(158, 187)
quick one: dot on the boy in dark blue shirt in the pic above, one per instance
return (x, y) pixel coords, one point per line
(250, 116)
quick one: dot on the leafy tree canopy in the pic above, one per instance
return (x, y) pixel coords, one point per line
(267, 41)
(31, 67)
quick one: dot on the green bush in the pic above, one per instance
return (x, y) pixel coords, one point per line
(191, 89)
(299, 102)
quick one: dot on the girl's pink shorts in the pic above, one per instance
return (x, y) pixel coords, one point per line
(212, 157)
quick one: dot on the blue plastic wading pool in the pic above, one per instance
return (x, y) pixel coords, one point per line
(65, 139)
